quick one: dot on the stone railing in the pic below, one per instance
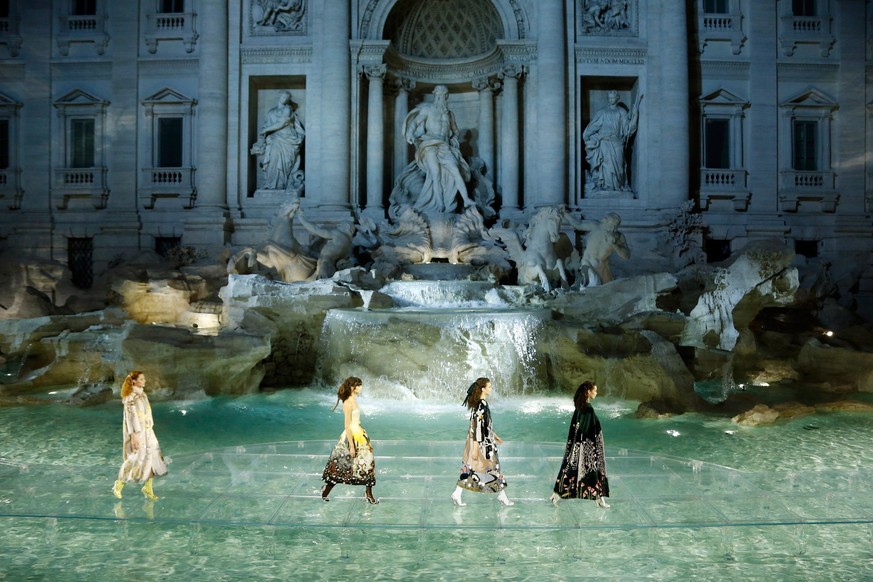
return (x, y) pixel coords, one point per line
(722, 179)
(797, 186)
(90, 28)
(807, 24)
(722, 27)
(175, 26)
(804, 180)
(724, 184)
(168, 183)
(88, 184)
(814, 30)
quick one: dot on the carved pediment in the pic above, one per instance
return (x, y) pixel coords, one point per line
(167, 96)
(811, 98)
(7, 102)
(80, 97)
(722, 97)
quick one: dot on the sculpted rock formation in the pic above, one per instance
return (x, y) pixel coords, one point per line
(708, 338)
(760, 272)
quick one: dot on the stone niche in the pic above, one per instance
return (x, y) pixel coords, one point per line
(263, 94)
(594, 96)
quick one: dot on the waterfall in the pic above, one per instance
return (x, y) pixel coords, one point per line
(10, 372)
(433, 353)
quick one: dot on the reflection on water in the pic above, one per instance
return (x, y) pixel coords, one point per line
(790, 502)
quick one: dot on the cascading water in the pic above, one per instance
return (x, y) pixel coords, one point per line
(11, 371)
(434, 352)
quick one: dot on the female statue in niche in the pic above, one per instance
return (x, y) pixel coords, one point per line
(279, 141)
(606, 138)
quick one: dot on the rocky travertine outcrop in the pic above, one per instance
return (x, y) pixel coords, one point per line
(679, 342)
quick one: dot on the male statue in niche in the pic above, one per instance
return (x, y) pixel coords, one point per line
(606, 138)
(439, 175)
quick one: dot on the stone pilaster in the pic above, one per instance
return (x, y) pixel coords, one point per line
(485, 86)
(335, 69)
(509, 138)
(212, 106)
(551, 135)
(401, 110)
(375, 136)
(672, 110)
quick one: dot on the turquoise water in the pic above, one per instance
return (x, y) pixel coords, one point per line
(694, 497)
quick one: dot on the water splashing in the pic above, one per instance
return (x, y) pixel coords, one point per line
(432, 354)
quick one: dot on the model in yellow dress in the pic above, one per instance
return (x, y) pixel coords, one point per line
(351, 461)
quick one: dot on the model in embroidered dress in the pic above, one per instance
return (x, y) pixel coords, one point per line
(480, 468)
(583, 470)
(351, 461)
(141, 451)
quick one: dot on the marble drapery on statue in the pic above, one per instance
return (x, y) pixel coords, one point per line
(606, 138)
(279, 141)
(439, 174)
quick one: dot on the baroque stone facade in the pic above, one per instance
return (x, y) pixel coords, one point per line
(131, 126)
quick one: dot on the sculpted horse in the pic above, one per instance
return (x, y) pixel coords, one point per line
(535, 254)
(282, 252)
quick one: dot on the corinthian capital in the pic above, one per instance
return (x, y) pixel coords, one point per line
(486, 84)
(512, 72)
(375, 71)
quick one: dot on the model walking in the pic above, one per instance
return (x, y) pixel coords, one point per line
(351, 461)
(480, 469)
(142, 453)
(583, 470)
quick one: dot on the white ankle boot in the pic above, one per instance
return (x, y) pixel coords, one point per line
(503, 499)
(602, 503)
(456, 497)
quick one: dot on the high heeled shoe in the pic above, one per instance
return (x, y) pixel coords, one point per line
(601, 503)
(555, 499)
(148, 491)
(503, 499)
(116, 489)
(369, 495)
(456, 499)
(325, 491)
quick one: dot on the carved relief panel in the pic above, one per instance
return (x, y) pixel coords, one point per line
(607, 18)
(271, 17)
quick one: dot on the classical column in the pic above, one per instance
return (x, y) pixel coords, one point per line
(212, 106)
(375, 136)
(335, 65)
(509, 143)
(551, 162)
(672, 111)
(486, 87)
(401, 109)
